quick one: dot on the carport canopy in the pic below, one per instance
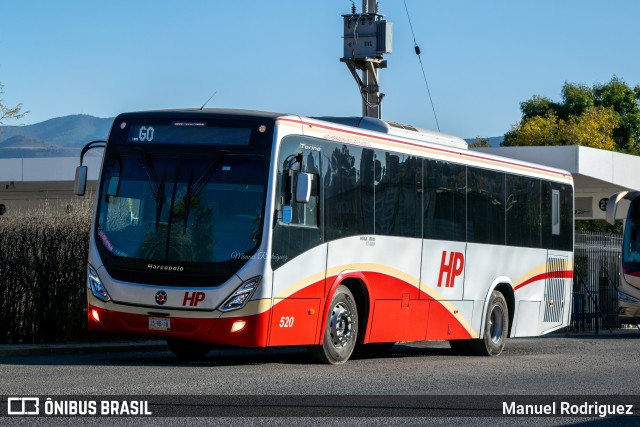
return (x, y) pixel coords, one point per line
(597, 174)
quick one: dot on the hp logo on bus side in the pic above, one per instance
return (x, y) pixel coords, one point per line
(161, 297)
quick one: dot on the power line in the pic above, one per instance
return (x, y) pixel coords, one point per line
(424, 75)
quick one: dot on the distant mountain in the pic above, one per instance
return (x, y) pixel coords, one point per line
(59, 137)
(23, 146)
(495, 141)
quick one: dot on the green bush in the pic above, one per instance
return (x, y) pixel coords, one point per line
(43, 275)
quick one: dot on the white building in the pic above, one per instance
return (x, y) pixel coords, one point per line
(26, 184)
(31, 183)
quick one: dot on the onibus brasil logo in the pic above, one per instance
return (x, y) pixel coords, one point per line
(37, 406)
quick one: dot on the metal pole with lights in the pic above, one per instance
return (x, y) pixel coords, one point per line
(367, 36)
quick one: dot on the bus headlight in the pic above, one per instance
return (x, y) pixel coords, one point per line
(95, 284)
(627, 298)
(241, 296)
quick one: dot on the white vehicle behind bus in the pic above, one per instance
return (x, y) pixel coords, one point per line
(629, 288)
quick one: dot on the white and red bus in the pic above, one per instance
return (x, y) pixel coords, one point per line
(629, 287)
(257, 229)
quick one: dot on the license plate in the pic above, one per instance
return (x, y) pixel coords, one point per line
(159, 323)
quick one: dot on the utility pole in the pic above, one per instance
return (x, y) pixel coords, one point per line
(367, 36)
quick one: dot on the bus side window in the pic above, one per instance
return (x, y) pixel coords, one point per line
(634, 245)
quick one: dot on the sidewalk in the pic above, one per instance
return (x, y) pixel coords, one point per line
(630, 333)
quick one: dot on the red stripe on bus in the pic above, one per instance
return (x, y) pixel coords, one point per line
(566, 274)
(473, 156)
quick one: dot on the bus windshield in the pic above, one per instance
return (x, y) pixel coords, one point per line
(631, 244)
(172, 206)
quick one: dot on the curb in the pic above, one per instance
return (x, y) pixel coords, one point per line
(11, 350)
(7, 350)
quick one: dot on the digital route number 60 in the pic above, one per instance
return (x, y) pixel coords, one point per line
(146, 133)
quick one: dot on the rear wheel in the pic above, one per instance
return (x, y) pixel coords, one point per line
(341, 330)
(496, 327)
(189, 351)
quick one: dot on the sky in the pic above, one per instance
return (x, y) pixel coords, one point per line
(481, 58)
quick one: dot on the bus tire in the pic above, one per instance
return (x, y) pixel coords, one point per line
(188, 351)
(341, 329)
(496, 328)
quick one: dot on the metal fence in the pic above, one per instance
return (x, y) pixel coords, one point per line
(596, 279)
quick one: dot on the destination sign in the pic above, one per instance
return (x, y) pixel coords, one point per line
(195, 133)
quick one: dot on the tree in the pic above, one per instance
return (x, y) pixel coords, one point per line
(605, 116)
(536, 130)
(537, 106)
(624, 101)
(594, 127)
(576, 98)
(6, 112)
(479, 141)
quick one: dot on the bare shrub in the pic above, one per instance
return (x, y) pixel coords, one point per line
(43, 258)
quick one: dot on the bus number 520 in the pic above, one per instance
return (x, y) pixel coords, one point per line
(286, 322)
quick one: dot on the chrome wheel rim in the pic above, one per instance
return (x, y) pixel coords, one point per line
(496, 325)
(340, 325)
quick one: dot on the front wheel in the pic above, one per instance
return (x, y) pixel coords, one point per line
(341, 329)
(496, 327)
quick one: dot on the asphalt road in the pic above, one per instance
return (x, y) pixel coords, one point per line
(587, 365)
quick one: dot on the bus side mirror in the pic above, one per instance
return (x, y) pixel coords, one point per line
(80, 183)
(113, 186)
(303, 187)
(612, 206)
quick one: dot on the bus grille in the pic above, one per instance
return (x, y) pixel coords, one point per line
(554, 289)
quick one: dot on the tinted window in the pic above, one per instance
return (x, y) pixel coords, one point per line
(523, 211)
(369, 191)
(485, 206)
(398, 198)
(305, 229)
(562, 240)
(348, 183)
(444, 203)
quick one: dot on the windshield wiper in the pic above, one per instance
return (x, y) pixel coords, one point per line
(187, 199)
(160, 201)
(193, 193)
(157, 185)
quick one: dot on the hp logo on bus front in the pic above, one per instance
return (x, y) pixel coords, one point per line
(161, 297)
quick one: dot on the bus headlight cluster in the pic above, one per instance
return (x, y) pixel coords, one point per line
(241, 296)
(95, 284)
(627, 298)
